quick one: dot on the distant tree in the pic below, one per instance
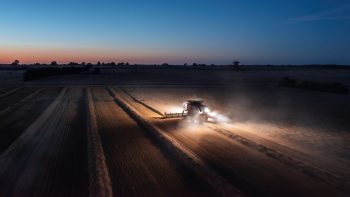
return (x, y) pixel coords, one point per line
(54, 63)
(185, 64)
(127, 64)
(83, 63)
(37, 64)
(98, 63)
(113, 64)
(15, 63)
(194, 64)
(236, 63)
(165, 64)
(88, 66)
(72, 64)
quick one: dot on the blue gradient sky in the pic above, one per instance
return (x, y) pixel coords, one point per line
(177, 31)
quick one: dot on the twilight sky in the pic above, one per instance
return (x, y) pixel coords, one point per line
(176, 31)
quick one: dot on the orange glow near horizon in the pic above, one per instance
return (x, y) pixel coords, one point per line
(28, 55)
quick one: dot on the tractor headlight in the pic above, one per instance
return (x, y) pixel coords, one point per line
(206, 110)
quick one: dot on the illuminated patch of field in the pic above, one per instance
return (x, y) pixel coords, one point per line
(136, 165)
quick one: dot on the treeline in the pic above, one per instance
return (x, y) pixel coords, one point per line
(82, 64)
(338, 88)
(36, 73)
(54, 63)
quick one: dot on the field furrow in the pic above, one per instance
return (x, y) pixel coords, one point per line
(50, 158)
(7, 90)
(14, 95)
(13, 122)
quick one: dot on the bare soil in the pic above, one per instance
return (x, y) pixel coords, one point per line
(50, 158)
(4, 89)
(15, 96)
(14, 122)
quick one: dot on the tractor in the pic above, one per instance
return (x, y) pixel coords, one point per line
(193, 110)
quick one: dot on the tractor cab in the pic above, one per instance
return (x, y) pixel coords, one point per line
(196, 110)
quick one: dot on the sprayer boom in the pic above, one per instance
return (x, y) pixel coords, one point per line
(173, 115)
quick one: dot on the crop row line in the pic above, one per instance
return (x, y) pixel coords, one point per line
(285, 159)
(99, 179)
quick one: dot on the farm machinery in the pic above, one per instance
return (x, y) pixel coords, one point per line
(195, 111)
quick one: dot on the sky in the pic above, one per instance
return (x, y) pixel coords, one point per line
(176, 31)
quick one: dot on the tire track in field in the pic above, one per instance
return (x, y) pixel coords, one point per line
(49, 159)
(20, 102)
(15, 96)
(8, 91)
(14, 120)
(290, 161)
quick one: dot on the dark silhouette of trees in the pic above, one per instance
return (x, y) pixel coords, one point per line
(72, 64)
(194, 64)
(98, 63)
(165, 64)
(88, 66)
(54, 63)
(236, 63)
(185, 64)
(15, 63)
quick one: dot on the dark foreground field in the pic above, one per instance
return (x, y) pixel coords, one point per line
(100, 135)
